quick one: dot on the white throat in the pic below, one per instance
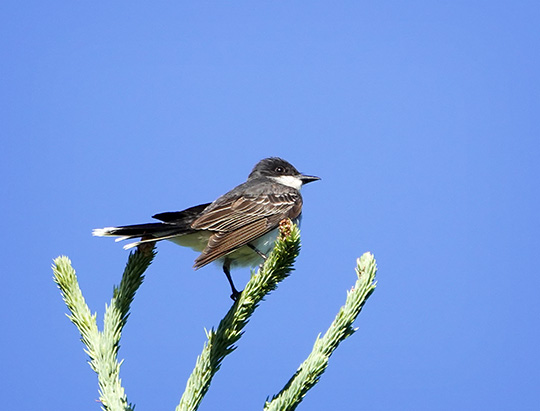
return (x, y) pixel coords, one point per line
(289, 181)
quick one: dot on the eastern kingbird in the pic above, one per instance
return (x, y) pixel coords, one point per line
(238, 229)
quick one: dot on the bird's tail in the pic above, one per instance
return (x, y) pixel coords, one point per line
(146, 232)
(174, 224)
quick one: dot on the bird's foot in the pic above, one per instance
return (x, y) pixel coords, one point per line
(235, 295)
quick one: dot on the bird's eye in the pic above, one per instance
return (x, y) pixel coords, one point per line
(279, 169)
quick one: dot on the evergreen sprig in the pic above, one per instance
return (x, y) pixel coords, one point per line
(310, 371)
(102, 347)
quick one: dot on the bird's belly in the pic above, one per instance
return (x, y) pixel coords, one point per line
(196, 241)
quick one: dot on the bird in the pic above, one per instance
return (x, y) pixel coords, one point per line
(238, 229)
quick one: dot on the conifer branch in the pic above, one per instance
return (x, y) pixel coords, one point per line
(102, 347)
(310, 371)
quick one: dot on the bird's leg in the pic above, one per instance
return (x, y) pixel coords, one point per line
(227, 270)
(257, 251)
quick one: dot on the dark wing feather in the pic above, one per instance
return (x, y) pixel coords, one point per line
(189, 214)
(236, 212)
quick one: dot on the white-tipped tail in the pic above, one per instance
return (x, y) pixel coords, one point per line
(146, 232)
(103, 232)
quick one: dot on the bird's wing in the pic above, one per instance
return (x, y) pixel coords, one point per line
(238, 221)
(233, 213)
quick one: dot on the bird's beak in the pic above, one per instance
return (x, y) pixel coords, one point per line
(308, 179)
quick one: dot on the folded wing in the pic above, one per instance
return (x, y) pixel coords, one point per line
(236, 221)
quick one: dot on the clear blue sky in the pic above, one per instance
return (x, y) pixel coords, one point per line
(422, 118)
